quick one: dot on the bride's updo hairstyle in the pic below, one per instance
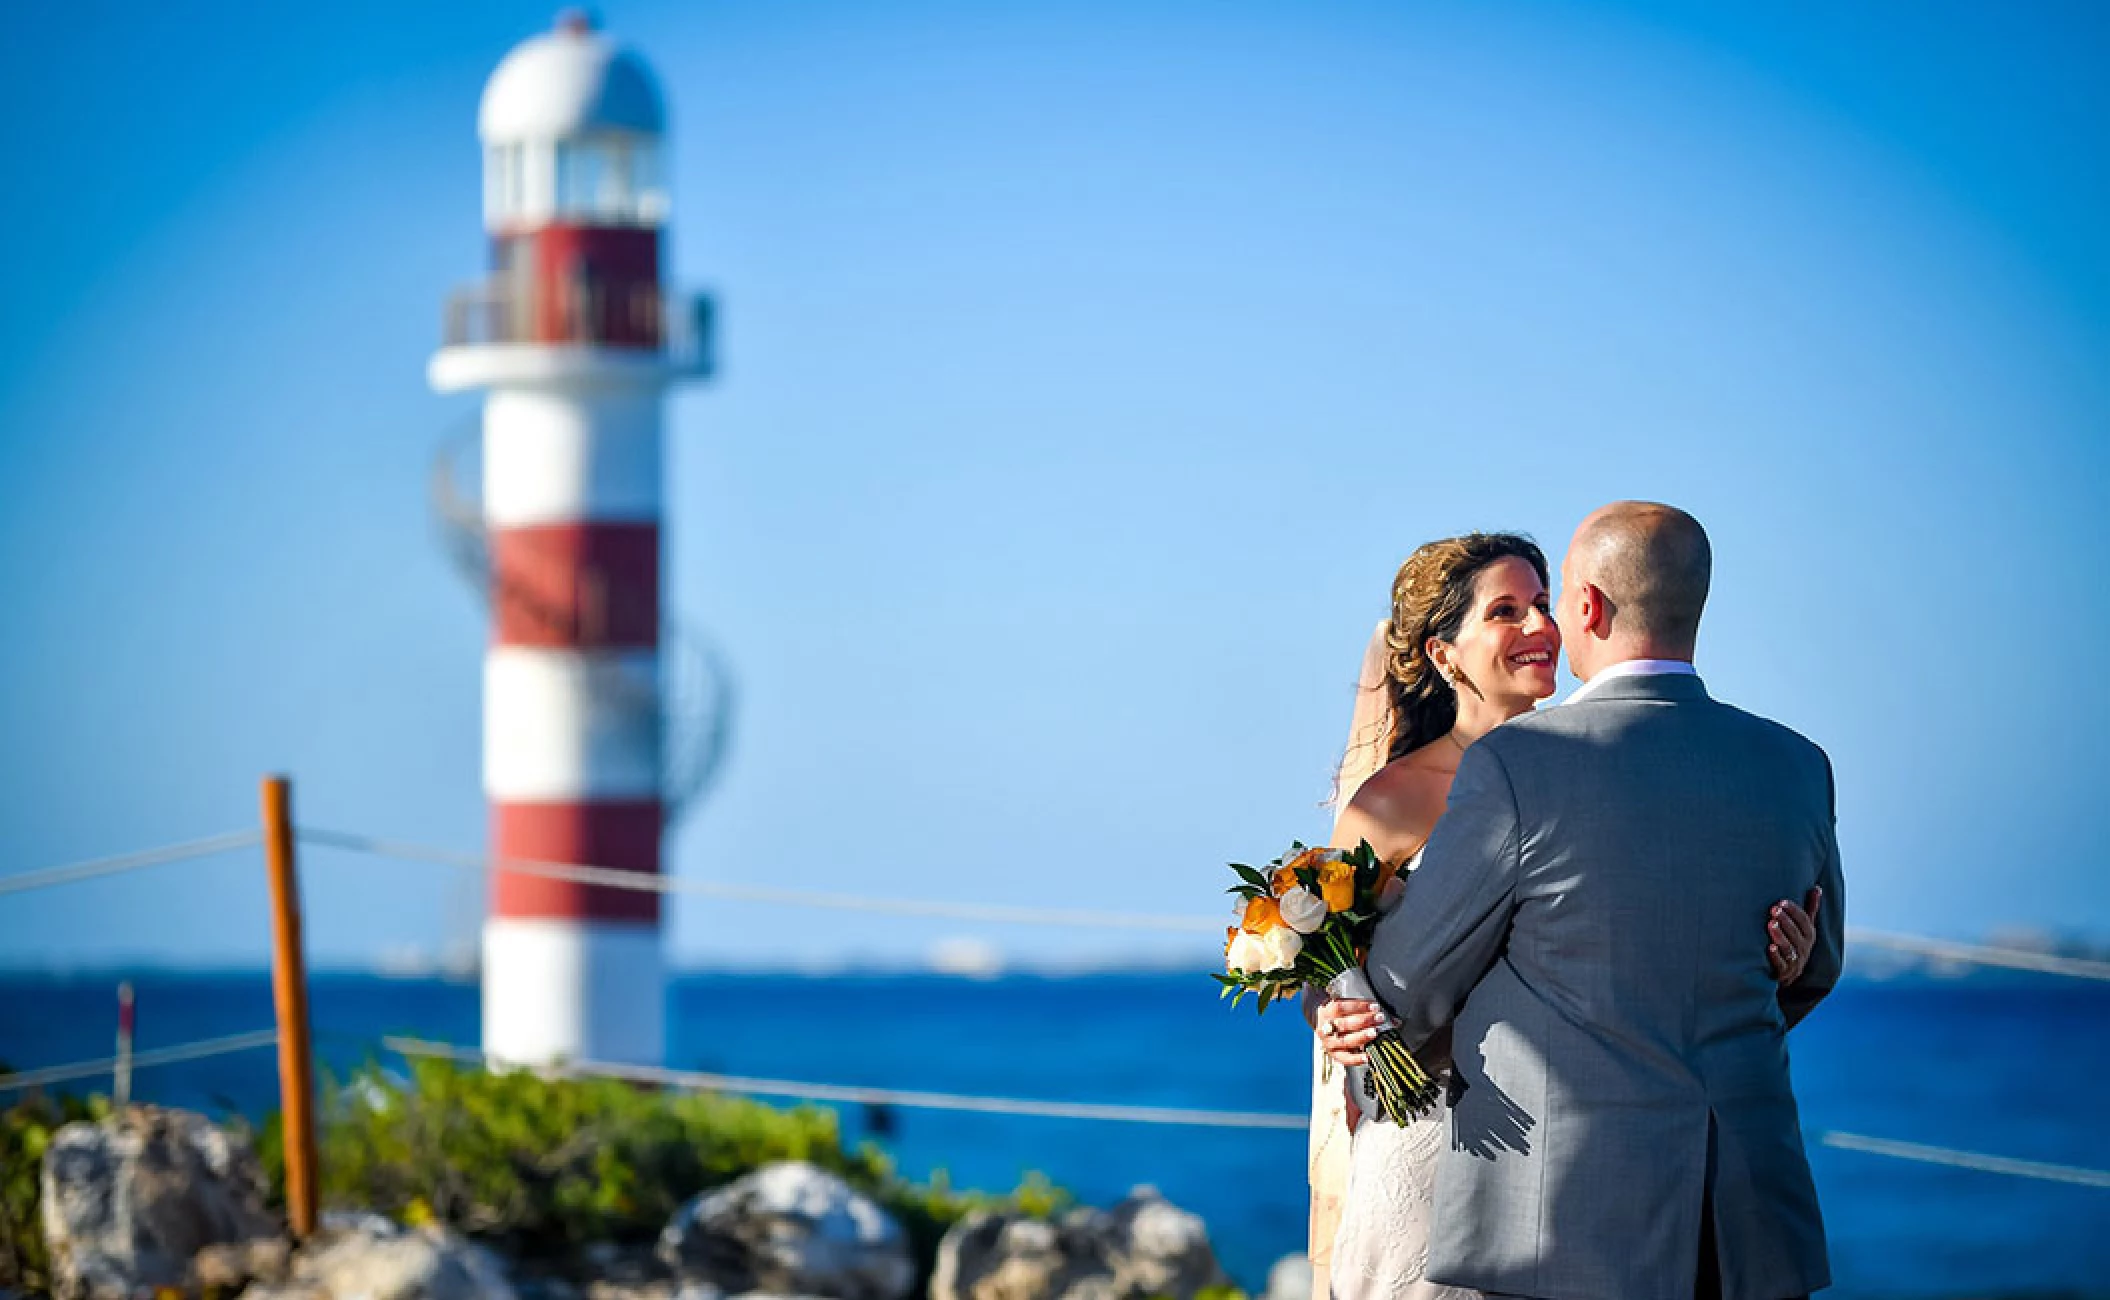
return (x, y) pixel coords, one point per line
(1431, 597)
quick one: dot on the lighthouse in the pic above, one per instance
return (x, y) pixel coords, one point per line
(573, 340)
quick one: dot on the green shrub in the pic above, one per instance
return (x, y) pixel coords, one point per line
(537, 1166)
(543, 1165)
(26, 1129)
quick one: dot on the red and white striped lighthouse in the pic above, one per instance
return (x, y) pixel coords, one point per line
(574, 340)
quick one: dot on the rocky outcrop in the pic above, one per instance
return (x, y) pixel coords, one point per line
(128, 1202)
(1289, 1279)
(1144, 1247)
(229, 1267)
(372, 1263)
(792, 1230)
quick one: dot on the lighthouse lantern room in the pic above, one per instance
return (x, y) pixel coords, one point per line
(574, 340)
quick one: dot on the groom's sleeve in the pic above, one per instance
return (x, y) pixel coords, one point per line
(1449, 928)
(1828, 954)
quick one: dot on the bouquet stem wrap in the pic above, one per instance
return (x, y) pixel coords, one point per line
(1393, 1079)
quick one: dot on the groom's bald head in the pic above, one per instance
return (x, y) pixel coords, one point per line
(1653, 564)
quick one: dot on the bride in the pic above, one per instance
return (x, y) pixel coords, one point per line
(1470, 644)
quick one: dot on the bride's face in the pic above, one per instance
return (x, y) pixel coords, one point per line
(1508, 645)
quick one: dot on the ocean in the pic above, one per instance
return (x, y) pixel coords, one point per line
(2008, 1067)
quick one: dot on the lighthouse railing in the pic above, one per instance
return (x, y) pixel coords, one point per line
(645, 316)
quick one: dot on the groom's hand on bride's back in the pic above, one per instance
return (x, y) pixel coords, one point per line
(1791, 936)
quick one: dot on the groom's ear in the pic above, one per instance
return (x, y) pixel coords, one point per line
(1594, 609)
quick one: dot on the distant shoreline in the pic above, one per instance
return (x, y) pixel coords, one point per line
(1892, 973)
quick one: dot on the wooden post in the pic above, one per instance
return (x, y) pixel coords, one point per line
(289, 989)
(121, 1091)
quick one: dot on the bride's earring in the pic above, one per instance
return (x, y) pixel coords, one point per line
(1458, 682)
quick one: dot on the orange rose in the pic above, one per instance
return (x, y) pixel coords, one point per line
(1261, 915)
(1337, 885)
(1312, 858)
(1285, 877)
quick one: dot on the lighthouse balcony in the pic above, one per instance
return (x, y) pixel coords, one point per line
(493, 333)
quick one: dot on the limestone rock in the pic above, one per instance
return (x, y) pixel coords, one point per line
(429, 1263)
(1157, 1248)
(284, 1291)
(792, 1230)
(1144, 1247)
(231, 1266)
(127, 1202)
(1289, 1279)
(335, 1222)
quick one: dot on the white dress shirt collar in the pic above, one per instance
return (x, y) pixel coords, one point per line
(1634, 668)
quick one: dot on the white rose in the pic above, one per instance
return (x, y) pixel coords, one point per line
(1302, 910)
(1245, 955)
(1279, 948)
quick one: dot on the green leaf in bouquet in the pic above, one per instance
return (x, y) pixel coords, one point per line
(1247, 891)
(1251, 877)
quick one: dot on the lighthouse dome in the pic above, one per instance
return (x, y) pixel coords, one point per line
(570, 82)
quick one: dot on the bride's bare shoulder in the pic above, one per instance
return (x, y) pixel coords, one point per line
(1397, 807)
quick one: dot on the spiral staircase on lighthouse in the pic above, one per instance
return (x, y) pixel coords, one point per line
(697, 696)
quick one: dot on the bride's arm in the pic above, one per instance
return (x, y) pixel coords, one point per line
(1393, 812)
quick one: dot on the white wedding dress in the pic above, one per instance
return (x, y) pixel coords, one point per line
(1381, 1247)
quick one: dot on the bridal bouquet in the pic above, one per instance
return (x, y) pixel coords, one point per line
(1307, 920)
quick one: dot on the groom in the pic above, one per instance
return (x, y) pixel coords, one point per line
(1622, 1126)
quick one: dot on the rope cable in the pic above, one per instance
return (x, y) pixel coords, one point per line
(616, 878)
(879, 1096)
(192, 1051)
(24, 881)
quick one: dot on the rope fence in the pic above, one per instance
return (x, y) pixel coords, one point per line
(1973, 1160)
(908, 1099)
(642, 882)
(23, 881)
(192, 1051)
(615, 878)
(1943, 950)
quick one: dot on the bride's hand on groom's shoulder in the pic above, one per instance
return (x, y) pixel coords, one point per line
(1346, 1026)
(1791, 932)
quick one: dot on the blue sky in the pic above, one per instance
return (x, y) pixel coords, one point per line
(1088, 368)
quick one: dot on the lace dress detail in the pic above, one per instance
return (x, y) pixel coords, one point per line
(1381, 1249)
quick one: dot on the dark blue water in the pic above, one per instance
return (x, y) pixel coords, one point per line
(2012, 1069)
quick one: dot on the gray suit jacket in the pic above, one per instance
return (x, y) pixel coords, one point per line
(1589, 920)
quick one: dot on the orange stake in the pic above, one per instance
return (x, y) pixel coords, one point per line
(289, 990)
